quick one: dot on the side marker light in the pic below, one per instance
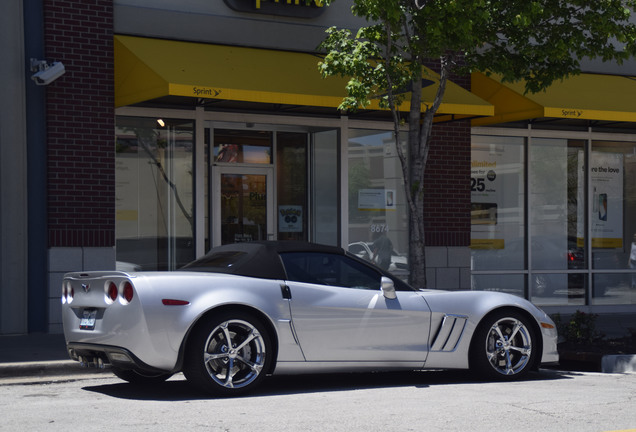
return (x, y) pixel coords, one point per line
(173, 302)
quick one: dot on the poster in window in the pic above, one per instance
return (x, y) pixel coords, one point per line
(290, 218)
(496, 179)
(376, 199)
(606, 216)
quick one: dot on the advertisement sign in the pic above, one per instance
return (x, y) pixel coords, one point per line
(606, 177)
(290, 218)
(376, 199)
(495, 176)
(287, 8)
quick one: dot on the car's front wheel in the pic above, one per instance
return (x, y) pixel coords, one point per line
(228, 354)
(504, 346)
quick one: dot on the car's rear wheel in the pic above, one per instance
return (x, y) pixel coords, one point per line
(140, 378)
(228, 354)
(504, 346)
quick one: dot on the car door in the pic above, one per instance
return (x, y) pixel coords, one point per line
(340, 314)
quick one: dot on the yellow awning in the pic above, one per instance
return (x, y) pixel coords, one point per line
(582, 97)
(147, 69)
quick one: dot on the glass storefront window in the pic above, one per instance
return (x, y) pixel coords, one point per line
(508, 283)
(269, 181)
(581, 216)
(613, 288)
(613, 220)
(557, 288)
(291, 181)
(242, 179)
(325, 188)
(497, 211)
(378, 218)
(154, 193)
(243, 207)
(241, 146)
(557, 215)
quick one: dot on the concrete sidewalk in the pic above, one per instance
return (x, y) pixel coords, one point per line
(35, 354)
(34, 347)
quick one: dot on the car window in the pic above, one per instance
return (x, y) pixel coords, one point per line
(330, 269)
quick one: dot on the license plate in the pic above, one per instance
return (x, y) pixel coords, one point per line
(87, 322)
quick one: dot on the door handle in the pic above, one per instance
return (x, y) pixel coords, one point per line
(284, 288)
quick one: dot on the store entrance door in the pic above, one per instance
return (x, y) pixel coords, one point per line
(243, 205)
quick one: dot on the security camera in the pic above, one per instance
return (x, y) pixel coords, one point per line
(48, 73)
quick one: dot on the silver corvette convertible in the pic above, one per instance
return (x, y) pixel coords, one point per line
(248, 310)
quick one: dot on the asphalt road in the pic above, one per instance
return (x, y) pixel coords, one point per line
(415, 401)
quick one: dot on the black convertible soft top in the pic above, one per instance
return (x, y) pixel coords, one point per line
(255, 259)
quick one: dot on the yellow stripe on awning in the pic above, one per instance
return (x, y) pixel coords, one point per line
(147, 69)
(582, 97)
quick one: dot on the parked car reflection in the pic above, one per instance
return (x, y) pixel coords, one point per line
(364, 250)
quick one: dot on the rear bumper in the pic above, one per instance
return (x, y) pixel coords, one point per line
(94, 355)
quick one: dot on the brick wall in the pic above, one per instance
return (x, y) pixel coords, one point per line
(80, 123)
(447, 179)
(447, 183)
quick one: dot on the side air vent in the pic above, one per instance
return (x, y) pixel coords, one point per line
(449, 333)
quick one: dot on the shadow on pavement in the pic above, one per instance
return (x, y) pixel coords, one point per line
(178, 389)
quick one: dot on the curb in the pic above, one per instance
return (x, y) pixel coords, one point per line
(597, 362)
(620, 363)
(41, 369)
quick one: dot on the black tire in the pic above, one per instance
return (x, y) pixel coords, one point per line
(504, 346)
(139, 378)
(228, 369)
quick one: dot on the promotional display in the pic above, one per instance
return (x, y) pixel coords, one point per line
(290, 218)
(606, 183)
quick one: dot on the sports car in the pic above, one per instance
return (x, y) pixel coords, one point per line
(248, 310)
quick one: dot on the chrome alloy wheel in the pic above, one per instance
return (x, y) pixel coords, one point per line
(235, 353)
(508, 346)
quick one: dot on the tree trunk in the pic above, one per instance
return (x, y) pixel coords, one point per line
(417, 255)
(420, 127)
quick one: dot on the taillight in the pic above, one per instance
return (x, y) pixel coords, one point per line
(128, 292)
(112, 291)
(124, 292)
(67, 292)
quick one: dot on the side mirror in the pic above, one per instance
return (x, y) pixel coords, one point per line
(388, 289)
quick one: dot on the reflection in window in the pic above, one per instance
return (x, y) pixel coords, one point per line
(377, 205)
(613, 220)
(241, 146)
(613, 288)
(497, 207)
(557, 203)
(243, 208)
(581, 215)
(291, 185)
(557, 289)
(154, 193)
(508, 283)
(557, 215)
(325, 188)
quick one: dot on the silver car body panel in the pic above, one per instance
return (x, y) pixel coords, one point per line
(360, 325)
(321, 328)
(466, 309)
(153, 331)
